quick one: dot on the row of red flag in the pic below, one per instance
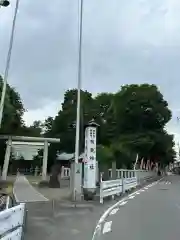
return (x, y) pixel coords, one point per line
(147, 165)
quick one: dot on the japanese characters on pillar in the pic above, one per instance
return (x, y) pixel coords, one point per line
(90, 157)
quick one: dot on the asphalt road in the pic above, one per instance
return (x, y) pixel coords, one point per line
(63, 221)
(152, 214)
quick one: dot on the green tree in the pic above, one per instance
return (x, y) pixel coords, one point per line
(131, 121)
(163, 148)
(123, 154)
(140, 108)
(103, 112)
(34, 130)
(38, 159)
(65, 122)
(141, 114)
(13, 111)
(63, 126)
(47, 126)
(104, 155)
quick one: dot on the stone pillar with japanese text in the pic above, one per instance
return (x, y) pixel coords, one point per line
(90, 172)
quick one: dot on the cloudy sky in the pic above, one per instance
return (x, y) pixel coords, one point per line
(124, 41)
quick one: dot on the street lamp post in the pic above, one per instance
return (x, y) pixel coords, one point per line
(77, 189)
(178, 120)
(8, 60)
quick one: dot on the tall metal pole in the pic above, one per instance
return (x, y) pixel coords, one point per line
(178, 141)
(76, 172)
(8, 60)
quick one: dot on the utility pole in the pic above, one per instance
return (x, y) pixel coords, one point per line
(8, 60)
(76, 188)
(178, 141)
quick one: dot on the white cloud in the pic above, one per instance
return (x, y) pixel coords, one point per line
(123, 42)
(49, 109)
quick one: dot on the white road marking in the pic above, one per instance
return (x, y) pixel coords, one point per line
(137, 193)
(131, 197)
(123, 203)
(106, 213)
(146, 188)
(164, 183)
(114, 211)
(35, 183)
(75, 231)
(107, 227)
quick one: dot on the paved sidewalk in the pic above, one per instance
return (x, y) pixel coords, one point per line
(60, 219)
(24, 192)
(63, 220)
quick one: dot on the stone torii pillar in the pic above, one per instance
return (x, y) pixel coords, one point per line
(6, 159)
(45, 159)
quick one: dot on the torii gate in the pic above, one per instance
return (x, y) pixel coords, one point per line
(26, 139)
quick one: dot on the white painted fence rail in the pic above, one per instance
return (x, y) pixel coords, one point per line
(15, 235)
(110, 188)
(129, 183)
(11, 222)
(128, 179)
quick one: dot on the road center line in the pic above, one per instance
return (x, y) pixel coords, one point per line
(107, 227)
(114, 211)
(131, 197)
(106, 213)
(123, 203)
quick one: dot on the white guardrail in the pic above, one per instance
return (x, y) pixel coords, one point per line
(110, 188)
(12, 222)
(128, 180)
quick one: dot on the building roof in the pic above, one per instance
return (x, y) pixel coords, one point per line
(65, 156)
(92, 123)
(68, 156)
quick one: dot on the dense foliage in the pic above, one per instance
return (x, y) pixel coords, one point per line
(131, 121)
(12, 122)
